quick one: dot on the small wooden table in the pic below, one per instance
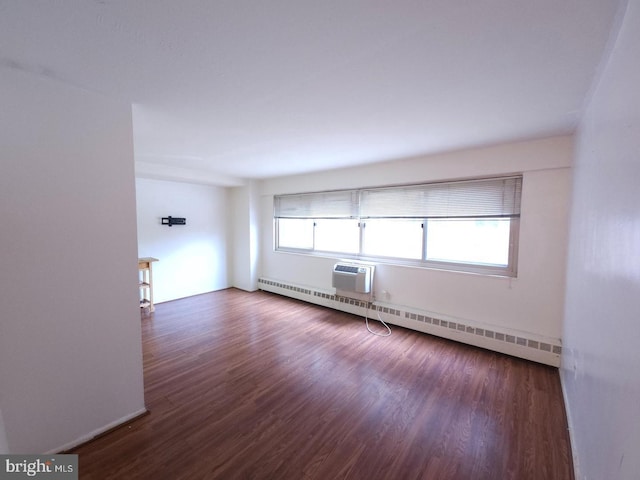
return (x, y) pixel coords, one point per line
(145, 282)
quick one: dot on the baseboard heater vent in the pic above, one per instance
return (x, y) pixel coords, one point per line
(531, 347)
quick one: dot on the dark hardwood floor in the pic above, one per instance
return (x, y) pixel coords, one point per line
(258, 386)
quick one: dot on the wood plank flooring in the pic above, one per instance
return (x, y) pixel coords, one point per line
(257, 386)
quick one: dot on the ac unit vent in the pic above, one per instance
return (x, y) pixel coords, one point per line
(346, 268)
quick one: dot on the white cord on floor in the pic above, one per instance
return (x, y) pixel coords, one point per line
(366, 321)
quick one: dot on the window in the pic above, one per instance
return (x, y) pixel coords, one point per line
(340, 235)
(469, 225)
(393, 237)
(482, 241)
(295, 233)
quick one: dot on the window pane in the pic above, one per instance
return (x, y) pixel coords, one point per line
(398, 238)
(337, 235)
(482, 241)
(295, 233)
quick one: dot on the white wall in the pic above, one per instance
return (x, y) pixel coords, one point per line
(70, 340)
(532, 303)
(192, 257)
(245, 230)
(602, 324)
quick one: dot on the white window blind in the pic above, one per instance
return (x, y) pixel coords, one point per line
(337, 204)
(496, 197)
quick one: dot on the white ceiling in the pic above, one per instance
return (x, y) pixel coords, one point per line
(230, 89)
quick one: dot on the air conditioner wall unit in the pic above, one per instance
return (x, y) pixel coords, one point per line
(353, 278)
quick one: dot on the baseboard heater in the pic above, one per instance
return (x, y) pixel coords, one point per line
(530, 346)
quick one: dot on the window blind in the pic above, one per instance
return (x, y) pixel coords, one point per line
(493, 197)
(496, 197)
(337, 204)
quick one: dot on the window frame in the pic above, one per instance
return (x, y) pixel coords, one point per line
(510, 270)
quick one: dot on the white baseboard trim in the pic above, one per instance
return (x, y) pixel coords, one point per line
(91, 435)
(511, 342)
(567, 409)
